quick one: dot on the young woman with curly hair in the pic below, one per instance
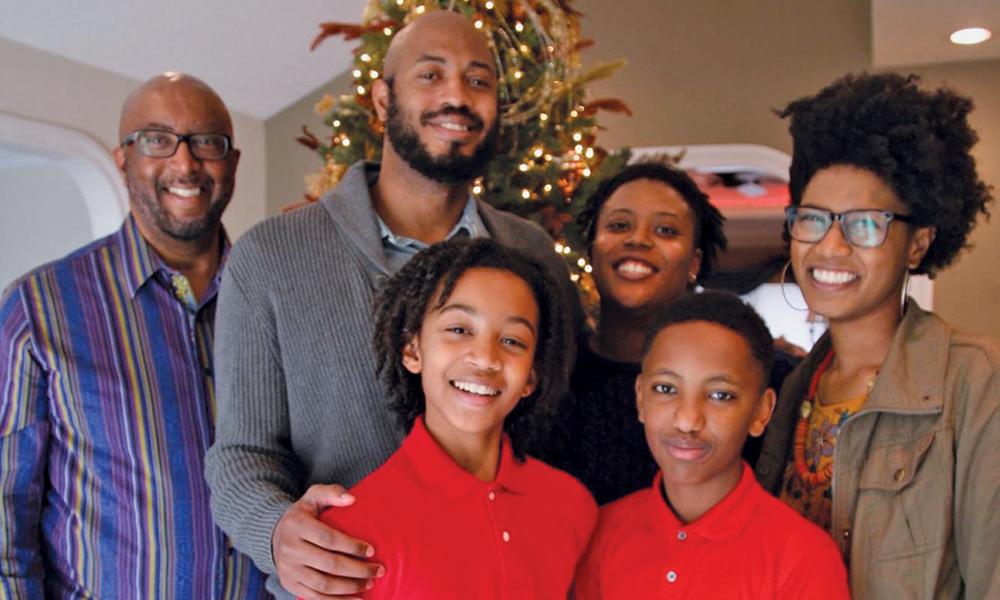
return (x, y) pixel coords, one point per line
(888, 433)
(470, 339)
(651, 233)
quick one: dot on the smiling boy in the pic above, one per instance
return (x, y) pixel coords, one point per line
(705, 528)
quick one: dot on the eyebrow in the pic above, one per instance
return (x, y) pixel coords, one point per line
(160, 126)
(465, 308)
(659, 213)
(721, 378)
(441, 60)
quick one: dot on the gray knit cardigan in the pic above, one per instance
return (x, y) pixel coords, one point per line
(298, 400)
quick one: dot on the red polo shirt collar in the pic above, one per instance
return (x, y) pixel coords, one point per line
(445, 477)
(727, 519)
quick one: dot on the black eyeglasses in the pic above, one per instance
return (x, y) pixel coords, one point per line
(864, 228)
(156, 143)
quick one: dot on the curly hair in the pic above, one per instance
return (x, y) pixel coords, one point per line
(709, 236)
(918, 142)
(425, 283)
(727, 310)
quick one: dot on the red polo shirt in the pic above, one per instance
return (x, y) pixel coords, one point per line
(748, 546)
(441, 533)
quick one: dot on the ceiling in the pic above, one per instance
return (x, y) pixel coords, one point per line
(915, 32)
(256, 53)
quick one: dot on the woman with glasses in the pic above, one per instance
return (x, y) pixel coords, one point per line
(888, 433)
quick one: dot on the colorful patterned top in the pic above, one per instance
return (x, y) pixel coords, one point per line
(106, 411)
(813, 499)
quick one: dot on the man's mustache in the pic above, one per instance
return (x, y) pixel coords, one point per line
(476, 122)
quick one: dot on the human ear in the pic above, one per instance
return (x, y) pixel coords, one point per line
(119, 156)
(411, 355)
(380, 99)
(765, 408)
(695, 266)
(920, 243)
(529, 387)
(638, 397)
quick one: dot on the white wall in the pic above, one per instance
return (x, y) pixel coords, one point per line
(45, 217)
(62, 92)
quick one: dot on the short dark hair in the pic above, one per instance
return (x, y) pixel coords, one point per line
(709, 236)
(727, 310)
(405, 299)
(918, 142)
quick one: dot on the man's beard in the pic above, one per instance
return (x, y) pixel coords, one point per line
(451, 168)
(148, 203)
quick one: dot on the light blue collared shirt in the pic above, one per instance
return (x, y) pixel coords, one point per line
(399, 249)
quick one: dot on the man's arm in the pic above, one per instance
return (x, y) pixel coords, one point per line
(253, 473)
(24, 436)
(255, 477)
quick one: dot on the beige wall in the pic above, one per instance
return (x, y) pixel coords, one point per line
(288, 162)
(968, 293)
(711, 72)
(62, 92)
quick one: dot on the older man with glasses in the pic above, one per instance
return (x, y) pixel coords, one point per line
(106, 393)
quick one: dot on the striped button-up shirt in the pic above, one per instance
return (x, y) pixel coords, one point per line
(106, 410)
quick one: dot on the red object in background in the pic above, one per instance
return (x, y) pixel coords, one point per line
(766, 194)
(742, 190)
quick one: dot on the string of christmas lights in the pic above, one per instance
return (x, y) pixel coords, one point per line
(549, 159)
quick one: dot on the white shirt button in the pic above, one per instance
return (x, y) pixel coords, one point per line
(506, 536)
(682, 535)
(671, 576)
(491, 495)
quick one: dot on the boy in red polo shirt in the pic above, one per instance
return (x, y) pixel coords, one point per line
(706, 529)
(471, 338)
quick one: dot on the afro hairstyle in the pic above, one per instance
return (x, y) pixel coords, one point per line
(918, 142)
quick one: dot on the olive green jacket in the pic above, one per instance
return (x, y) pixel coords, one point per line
(916, 481)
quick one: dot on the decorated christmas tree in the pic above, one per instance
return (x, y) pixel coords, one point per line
(548, 159)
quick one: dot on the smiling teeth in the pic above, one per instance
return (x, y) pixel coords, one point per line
(184, 192)
(475, 388)
(833, 277)
(453, 126)
(634, 268)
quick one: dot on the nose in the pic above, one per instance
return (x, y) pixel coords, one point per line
(639, 236)
(484, 356)
(689, 416)
(183, 160)
(454, 92)
(833, 243)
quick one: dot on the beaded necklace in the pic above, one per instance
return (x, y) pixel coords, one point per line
(824, 474)
(802, 429)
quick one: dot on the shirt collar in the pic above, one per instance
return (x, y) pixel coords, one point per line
(142, 263)
(724, 520)
(469, 224)
(443, 475)
(912, 377)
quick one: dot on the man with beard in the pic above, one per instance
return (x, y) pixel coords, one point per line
(106, 395)
(299, 402)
